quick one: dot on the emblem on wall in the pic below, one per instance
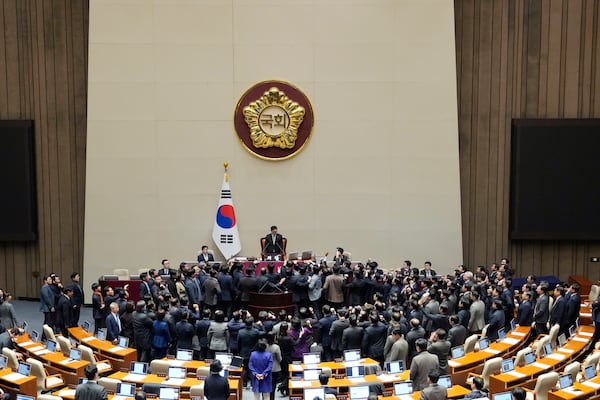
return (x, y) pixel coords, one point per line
(274, 120)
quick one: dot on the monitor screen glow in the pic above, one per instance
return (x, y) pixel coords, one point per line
(168, 393)
(530, 358)
(355, 371)
(590, 372)
(314, 394)
(359, 392)
(311, 374)
(484, 343)
(502, 396)
(125, 389)
(395, 367)
(139, 368)
(185, 355)
(177, 373)
(457, 352)
(565, 381)
(402, 388)
(352, 355)
(445, 381)
(311, 358)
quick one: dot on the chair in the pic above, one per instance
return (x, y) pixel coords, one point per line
(197, 391)
(594, 291)
(202, 371)
(572, 369)
(470, 343)
(490, 367)
(484, 331)
(48, 332)
(371, 369)
(109, 384)
(540, 346)
(554, 333)
(160, 366)
(592, 359)
(327, 371)
(65, 345)
(121, 273)
(545, 383)
(45, 382)
(330, 396)
(12, 358)
(520, 357)
(88, 355)
(263, 244)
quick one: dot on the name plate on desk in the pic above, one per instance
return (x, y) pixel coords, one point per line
(591, 384)
(510, 341)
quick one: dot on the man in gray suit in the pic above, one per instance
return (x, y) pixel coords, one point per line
(541, 311)
(434, 391)
(439, 346)
(90, 390)
(477, 309)
(423, 362)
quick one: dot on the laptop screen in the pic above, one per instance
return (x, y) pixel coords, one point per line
(484, 343)
(508, 365)
(458, 352)
(565, 381)
(82, 380)
(513, 324)
(168, 393)
(236, 362)
(311, 374)
(311, 358)
(75, 354)
(356, 371)
(501, 333)
(185, 355)
(352, 355)
(548, 349)
(86, 326)
(177, 373)
(445, 381)
(571, 331)
(123, 342)
(359, 392)
(529, 358)
(125, 389)
(314, 394)
(24, 368)
(590, 372)
(23, 397)
(34, 335)
(225, 358)
(3, 361)
(395, 367)
(139, 367)
(24, 326)
(502, 396)
(101, 334)
(401, 388)
(562, 340)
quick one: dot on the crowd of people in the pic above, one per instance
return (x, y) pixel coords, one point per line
(411, 315)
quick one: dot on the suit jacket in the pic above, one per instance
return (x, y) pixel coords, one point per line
(525, 314)
(46, 298)
(205, 257)
(558, 310)
(374, 340)
(399, 351)
(441, 349)
(142, 330)
(336, 332)
(434, 392)
(352, 337)
(596, 310)
(218, 336)
(5, 340)
(78, 298)
(144, 289)
(477, 320)
(420, 367)
(573, 306)
(411, 338)
(216, 387)
(333, 286)
(496, 322)
(8, 317)
(64, 314)
(273, 246)
(432, 273)
(457, 335)
(541, 311)
(112, 328)
(90, 391)
(228, 292)
(325, 327)
(246, 285)
(212, 291)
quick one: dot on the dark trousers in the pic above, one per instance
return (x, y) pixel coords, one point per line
(276, 378)
(246, 375)
(144, 355)
(76, 313)
(226, 307)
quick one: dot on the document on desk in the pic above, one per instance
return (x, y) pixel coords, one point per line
(87, 339)
(65, 362)
(300, 384)
(516, 374)
(453, 363)
(296, 368)
(556, 356)
(590, 334)
(492, 351)
(573, 390)
(13, 376)
(357, 380)
(591, 384)
(405, 397)
(41, 352)
(563, 350)
(134, 377)
(580, 339)
(36, 348)
(174, 381)
(115, 349)
(510, 340)
(387, 378)
(67, 393)
(27, 343)
(517, 333)
(540, 365)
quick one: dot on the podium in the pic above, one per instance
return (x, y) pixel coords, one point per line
(270, 302)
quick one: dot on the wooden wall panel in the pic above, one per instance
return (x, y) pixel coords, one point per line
(43, 77)
(517, 59)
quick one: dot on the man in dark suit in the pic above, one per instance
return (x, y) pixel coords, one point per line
(541, 311)
(573, 306)
(496, 320)
(434, 391)
(145, 285)
(557, 311)
(204, 256)
(90, 390)
(525, 310)
(216, 387)
(273, 243)
(166, 268)
(142, 328)
(427, 272)
(457, 333)
(64, 312)
(353, 335)
(247, 284)
(228, 292)
(113, 324)
(78, 298)
(336, 332)
(325, 325)
(374, 338)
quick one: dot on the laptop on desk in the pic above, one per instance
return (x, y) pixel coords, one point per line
(185, 355)
(125, 389)
(457, 352)
(394, 367)
(565, 381)
(137, 367)
(530, 358)
(445, 381)
(359, 392)
(314, 393)
(507, 365)
(168, 393)
(357, 371)
(311, 374)
(502, 396)
(351, 355)
(311, 358)
(403, 388)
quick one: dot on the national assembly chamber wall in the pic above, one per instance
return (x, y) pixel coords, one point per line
(514, 59)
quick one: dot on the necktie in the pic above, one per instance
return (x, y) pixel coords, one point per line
(118, 321)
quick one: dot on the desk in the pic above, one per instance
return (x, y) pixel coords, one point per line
(588, 389)
(455, 392)
(234, 383)
(338, 369)
(525, 376)
(26, 385)
(193, 365)
(342, 385)
(473, 362)
(55, 362)
(119, 357)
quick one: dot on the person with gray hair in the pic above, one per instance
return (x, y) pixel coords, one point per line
(90, 390)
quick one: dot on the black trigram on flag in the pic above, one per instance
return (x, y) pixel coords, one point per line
(226, 239)
(225, 194)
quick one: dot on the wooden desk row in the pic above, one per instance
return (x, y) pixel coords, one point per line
(14, 383)
(526, 375)
(120, 358)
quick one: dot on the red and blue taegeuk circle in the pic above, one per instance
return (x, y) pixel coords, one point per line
(226, 216)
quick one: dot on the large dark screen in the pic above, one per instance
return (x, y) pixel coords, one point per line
(17, 180)
(555, 179)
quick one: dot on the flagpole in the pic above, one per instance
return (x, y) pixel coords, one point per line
(226, 164)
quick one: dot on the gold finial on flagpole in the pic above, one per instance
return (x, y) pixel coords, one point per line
(226, 164)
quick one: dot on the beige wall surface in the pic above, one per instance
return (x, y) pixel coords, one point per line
(379, 177)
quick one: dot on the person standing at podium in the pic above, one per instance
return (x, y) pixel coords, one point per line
(273, 244)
